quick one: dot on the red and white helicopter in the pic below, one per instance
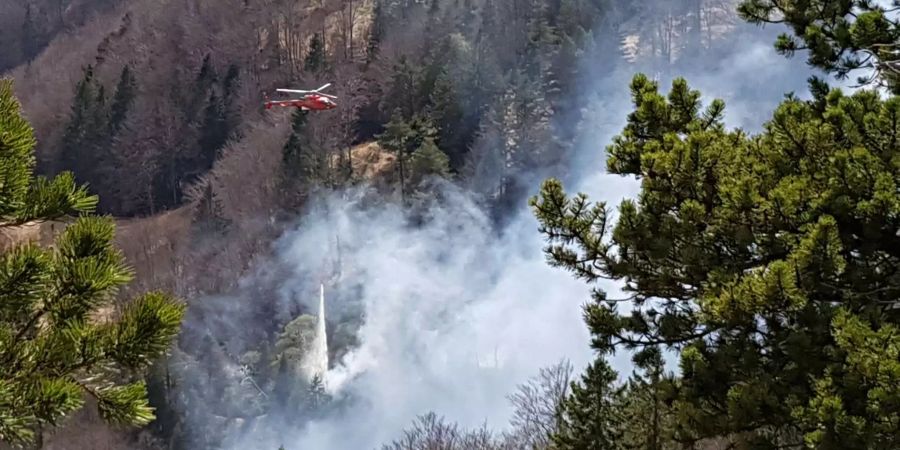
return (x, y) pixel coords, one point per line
(313, 100)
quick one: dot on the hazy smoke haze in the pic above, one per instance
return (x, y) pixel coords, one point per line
(456, 312)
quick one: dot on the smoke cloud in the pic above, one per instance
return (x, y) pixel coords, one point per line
(456, 312)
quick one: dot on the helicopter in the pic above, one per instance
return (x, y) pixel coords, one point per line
(312, 100)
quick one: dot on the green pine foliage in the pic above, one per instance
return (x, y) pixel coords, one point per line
(57, 345)
(591, 415)
(841, 36)
(649, 417)
(403, 137)
(397, 138)
(24, 198)
(769, 261)
(428, 160)
(446, 112)
(402, 92)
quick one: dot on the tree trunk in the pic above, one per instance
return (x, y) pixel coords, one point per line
(402, 177)
(350, 40)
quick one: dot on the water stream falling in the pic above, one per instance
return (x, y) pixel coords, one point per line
(317, 358)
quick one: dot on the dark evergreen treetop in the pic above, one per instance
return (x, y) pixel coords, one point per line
(315, 60)
(126, 90)
(772, 262)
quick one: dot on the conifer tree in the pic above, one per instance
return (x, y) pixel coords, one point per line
(315, 61)
(99, 122)
(376, 34)
(301, 162)
(649, 418)
(591, 417)
(230, 88)
(126, 90)
(428, 160)
(54, 351)
(214, 132)
(771, 261)
(207, 76)
(78, 138)
(841, 36)
(447, 114)
(397, 139)
(204, 83)
(402, 90)
(315, 397)
(209, 218)
(32, 37)
(232, 80)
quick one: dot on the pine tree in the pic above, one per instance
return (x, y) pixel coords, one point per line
(214, 132)
(95, 156)
(591, 415)
(841, 36)
(207, 76)
(402, 90)
(428, 160)
(486, 169)
(53, 352)
(770, 261)
(230, 88)
(99, 122)
(232, 80)
(77, 139)
(204, 83)
(649, 417)
(209, 218)
(315, 397)
(447, 113)
(126, 90)
(377, 32)
(396, 139)
(300, 160)
(32, 37)
(315, 61)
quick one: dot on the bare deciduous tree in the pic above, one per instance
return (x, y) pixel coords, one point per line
(536, 404)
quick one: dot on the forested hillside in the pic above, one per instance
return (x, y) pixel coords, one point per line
(152, 123)
(406, 203)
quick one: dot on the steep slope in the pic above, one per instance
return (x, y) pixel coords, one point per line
(264, 44)
(221, 215)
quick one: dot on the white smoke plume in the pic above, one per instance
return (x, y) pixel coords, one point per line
(457, 313)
